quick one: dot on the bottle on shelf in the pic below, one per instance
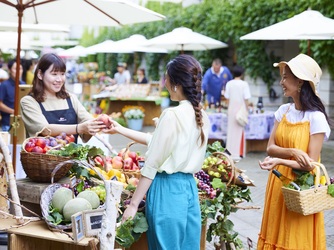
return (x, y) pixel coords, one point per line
(259, 104)
(285, 180)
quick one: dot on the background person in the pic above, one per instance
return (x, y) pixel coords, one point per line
(141, 76)
(121, 76)
(296, 140)
(214, 81)
(176, 151)
(7, 94)
(237, 93)
(50, 108)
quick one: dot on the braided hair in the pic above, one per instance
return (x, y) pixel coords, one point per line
(184, 70)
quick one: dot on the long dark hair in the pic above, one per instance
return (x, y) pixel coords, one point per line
(58, 65)
(310, 101)
(186, 71)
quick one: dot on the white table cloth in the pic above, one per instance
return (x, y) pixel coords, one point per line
(258, 128)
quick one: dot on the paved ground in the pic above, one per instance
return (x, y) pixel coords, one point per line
(247, 222)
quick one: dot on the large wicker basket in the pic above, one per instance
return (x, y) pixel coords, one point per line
(39, 167)
(312, 200)
(47, 194)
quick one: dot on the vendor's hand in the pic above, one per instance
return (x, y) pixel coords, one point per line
(91, 127)
(129, 212)
(114, 128)
(302, 159)
(269, 163)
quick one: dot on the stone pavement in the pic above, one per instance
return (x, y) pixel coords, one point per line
(247, 222)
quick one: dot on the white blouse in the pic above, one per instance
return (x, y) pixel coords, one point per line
(318, 122)
(175, 145)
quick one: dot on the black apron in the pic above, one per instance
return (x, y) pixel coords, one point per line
(61, 116)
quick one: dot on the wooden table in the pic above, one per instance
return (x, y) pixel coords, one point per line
(36, 236)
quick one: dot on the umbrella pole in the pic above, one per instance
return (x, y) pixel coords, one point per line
(309, 47)
(17, 82)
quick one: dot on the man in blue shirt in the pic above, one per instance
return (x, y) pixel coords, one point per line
(214, 81)
(7, 95)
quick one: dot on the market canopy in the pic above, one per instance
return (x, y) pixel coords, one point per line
(134, 43)
(308, 25)
(31, 27)
(184, 39)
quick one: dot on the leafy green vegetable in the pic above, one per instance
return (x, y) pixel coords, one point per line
(214, 147)
(55, 216)
(330, 190)
(77, 151)
(130, 231)
(304, 179)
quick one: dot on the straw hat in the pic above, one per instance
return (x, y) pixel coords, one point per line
(305, 68)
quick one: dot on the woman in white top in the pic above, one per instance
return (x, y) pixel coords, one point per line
(296, 140)
(237, 94)
(176, 151)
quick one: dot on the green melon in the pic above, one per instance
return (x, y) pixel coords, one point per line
(90, 196)
(75, 205)
(60, 197)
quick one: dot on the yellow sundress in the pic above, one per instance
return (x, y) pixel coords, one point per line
(281, 228)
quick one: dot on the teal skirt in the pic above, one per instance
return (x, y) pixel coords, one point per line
(173, 213)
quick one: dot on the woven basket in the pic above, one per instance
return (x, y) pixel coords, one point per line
(312, 200)
(130, 173)
(47, 194)
(39, 167)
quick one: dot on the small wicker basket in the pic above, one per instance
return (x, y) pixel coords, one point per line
(312, 200)
(130, 173)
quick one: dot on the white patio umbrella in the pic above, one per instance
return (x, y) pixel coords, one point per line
(82, 12)
(184, 39)
(9, 41)
(31, 27)
(308, 25)
(74, 52)
(132, 44)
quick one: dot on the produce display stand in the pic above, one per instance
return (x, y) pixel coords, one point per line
(145, 95)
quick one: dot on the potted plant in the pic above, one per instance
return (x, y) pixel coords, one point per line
(134, 116)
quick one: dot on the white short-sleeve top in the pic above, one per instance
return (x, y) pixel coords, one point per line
(318, 122)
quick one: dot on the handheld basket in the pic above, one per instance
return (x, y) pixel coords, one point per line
(47, 194)
(130, 173)
(312, 200)
(38, 167)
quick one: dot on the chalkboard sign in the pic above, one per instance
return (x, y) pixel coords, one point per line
(93, 221)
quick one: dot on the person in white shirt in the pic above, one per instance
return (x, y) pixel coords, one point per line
(176, 151)
(122, 76)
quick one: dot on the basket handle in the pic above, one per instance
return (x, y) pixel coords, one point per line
(127, 148)
(233, 168)
(319, 166)
(83, 163)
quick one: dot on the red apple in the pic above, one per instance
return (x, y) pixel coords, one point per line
(133, 156)
(46, 149)
(117, 162)
(133, 181)
(37, 149)
(105, 119)
(32, 140)
(29, 146)
(40, 142)
(70, 138)
(128, 164)
(99, 161)
(135, 167)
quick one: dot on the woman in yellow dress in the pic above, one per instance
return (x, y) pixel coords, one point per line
(296, 140)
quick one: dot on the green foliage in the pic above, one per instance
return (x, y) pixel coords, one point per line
(227, 21)
(220, 208)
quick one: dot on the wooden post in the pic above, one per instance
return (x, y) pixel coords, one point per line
(3, 179)
(11, 177)
(108, 231)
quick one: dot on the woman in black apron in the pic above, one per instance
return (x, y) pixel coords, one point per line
(50, 110)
